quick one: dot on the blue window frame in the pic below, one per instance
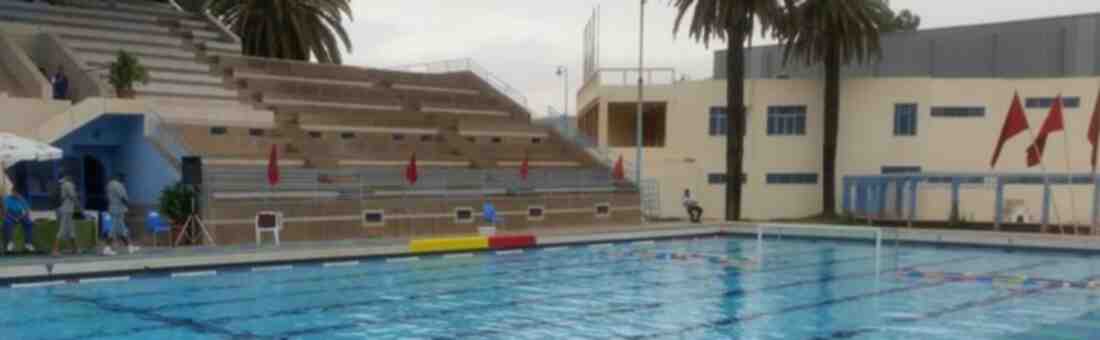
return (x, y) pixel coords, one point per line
(1047, 102)
(721, 178)
(718, 119)
(787, 120)
(958, 111)
(893, 170)
(792, 178)
(905, 119)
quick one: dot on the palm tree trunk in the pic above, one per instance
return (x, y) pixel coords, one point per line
(735, 121)
(828, 152)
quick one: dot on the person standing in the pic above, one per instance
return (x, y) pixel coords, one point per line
(695, 212)
(68, 203)
(17, 211)
(118, 205)
(60, 84)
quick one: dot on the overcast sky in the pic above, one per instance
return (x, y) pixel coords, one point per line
(523, 42)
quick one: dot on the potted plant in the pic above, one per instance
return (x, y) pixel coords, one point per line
(124, 72)
(176, 203)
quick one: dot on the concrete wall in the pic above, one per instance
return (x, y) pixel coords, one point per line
(866, 141)
(22, 115)
(1049, 47)
(30, 82)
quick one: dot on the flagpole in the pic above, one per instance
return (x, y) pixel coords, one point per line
(1043, 169)
(1069, 169)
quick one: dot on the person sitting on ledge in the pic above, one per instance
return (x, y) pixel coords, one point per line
(17, 211)
(695, 212)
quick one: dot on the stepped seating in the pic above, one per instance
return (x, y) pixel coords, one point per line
(232, 143)
(160, 36)
(352, 182)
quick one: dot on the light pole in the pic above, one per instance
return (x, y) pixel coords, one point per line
(641, 83)
(564, 73)
(641, 103)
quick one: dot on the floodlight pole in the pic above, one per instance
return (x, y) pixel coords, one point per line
(641, 83)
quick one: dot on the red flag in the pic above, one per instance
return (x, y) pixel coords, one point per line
(411, 174)
(523, 168)
(1053, 124)
(1015, 122)
(617, 172)
(273, 166)
(1094, 131)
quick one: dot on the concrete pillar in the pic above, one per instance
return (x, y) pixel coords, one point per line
(999, 204)
(1046, 204)
(882, 184)
(846, 196)
(899, 197)
(955, 184)
(913, 200)
(1095, 200)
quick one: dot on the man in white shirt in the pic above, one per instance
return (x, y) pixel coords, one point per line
(695, 212)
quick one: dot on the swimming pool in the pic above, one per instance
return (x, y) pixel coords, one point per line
(670, 289)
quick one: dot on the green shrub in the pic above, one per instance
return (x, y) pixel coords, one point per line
(175, 203)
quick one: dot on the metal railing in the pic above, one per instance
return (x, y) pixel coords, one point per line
(467, 64)
(391, 181)
(623, 76)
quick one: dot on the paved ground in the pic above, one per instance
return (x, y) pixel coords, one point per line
(184, 257)
(192, 257)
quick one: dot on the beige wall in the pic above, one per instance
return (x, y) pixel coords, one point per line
(866, 141)
(22, 116)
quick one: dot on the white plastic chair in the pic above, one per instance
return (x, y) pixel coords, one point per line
(268, 221)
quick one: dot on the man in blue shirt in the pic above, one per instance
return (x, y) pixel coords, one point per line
(17, 211)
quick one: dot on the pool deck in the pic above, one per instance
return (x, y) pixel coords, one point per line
(185, 259)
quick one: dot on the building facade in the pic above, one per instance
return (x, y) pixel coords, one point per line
(934, 103)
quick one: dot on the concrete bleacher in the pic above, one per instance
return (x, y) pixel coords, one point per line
(163, 39)
(344, 133)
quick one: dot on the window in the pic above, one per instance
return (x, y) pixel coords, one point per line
(789, 120)
(1047, 102)
(718, 119)
(958, 111)
(905, 119)
(398, 137)
(218, 130)
(374, 218)
(464, 215)
(496, 140)
(347, 135)
(893, 170)
(315, 134)
(536, 140)
(603, 210)
(720, 178)
(792, 178)
(536, 213)
(426, 138)
(471, 139)
(256, 132)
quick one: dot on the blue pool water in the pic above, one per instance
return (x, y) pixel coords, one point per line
(674, 289)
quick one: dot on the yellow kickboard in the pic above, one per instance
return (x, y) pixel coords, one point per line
(449, 244)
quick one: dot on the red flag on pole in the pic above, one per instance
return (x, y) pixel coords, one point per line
(523, 168)
(273, 166)
(1015, 122)
(411, 174)
(617, 172)
(1054, 123)
(1094, 131)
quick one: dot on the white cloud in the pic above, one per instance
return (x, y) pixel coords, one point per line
(523, 42)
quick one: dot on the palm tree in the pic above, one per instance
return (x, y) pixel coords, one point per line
(287, 29)
(732, 21)
(832, 32)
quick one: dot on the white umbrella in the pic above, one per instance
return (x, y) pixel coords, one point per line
(14, 149)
